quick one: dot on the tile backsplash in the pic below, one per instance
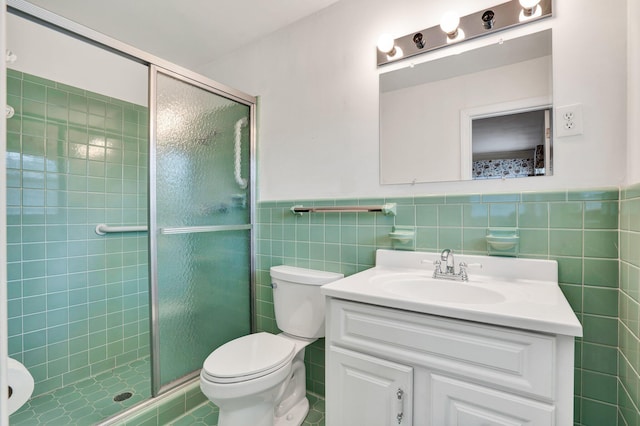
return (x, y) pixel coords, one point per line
(629, 329)
(578, 229)
(78, 302)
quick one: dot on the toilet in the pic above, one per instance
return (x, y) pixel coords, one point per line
(259, 379)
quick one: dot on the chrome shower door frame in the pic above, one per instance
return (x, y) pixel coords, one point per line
(217, 89)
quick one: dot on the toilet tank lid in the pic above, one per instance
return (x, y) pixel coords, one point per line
(304, 276)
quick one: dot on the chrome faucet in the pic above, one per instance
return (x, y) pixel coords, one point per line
(447, 257)
(449, 273)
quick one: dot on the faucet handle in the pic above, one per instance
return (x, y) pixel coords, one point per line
(470, 265)
(463, 269)
(437, 264)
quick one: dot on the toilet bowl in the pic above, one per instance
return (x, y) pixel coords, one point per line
(259, 379)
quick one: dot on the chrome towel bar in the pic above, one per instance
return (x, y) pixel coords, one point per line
(387, 209)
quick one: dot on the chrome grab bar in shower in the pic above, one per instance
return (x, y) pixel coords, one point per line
(103, 229)
(211, 228)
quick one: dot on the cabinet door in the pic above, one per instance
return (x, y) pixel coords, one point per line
(458, 403)
(364, 390)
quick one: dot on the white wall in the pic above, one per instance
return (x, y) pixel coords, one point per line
(52, 55)
(633, 90)
(318, 84)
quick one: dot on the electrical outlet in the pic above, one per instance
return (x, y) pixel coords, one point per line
(568, 120)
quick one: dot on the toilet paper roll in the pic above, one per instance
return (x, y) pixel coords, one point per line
(20, 385)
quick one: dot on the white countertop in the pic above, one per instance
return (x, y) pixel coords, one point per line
(530, 296)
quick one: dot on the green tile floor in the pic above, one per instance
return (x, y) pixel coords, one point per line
(89, 401)
(207, 414)
(92, 401)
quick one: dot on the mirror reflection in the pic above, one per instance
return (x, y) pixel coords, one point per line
(434, 116)
(511, 145)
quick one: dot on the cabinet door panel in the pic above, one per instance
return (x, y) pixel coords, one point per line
(367, 390)
(458, 403)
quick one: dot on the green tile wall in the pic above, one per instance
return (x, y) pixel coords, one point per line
(77, 301)
(628, 329)
(579, 229)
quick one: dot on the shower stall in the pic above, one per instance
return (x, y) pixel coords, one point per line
(130, 204)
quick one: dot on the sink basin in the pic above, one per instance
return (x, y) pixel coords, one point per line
(435, 290)
(511, 292)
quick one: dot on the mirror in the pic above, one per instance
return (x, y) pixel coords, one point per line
(435, 115)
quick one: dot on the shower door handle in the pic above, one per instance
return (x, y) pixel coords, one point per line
(237, 152)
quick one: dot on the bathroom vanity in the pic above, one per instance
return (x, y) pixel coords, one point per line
(405, 349)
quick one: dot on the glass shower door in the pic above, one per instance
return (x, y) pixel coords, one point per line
(200, 224)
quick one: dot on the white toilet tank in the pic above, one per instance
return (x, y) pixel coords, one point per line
(297, 301)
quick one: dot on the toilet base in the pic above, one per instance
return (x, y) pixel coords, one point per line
(295, 416)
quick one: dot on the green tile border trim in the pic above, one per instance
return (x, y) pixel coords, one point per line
(630, 192)
(586, 194)
(11, 73)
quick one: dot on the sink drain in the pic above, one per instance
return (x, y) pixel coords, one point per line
(122, 396)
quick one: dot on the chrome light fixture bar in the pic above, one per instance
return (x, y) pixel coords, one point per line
(487, 21)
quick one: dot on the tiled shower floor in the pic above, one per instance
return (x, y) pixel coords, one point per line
(207, 414)
(90, 401)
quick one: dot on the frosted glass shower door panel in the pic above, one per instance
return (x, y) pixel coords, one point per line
(204, 297)
(201, 228)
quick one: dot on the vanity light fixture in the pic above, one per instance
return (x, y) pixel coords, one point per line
(450, 25)
(454, 28)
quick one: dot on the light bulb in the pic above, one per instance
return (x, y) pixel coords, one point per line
(449, 23)
(530, 10)
(529, 4)
(386, 43)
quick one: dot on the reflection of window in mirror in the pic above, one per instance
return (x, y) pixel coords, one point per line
(512, 145)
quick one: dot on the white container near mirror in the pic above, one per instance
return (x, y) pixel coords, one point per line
(421, 106)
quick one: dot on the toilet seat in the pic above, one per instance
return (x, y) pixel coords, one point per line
(248, 357)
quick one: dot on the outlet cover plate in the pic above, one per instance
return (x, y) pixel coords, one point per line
(568, 120)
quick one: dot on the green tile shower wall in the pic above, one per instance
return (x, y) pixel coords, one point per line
(578, 229)
(78, 302)
(629, 329)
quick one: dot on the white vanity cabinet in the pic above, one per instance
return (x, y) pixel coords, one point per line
(389, 366)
